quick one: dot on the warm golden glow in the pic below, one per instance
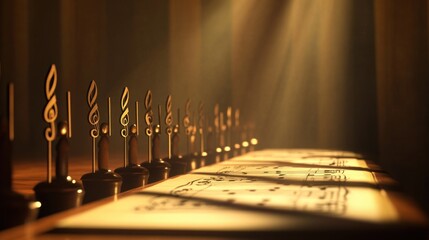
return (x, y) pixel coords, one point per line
(218, 150)
(245, 144)
(219, 191)
(291, 63)
(227, 148)
(63, 130)
(193, 165)
(35, 205)
(254, 141)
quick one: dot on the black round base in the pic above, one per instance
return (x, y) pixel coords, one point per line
(101, 184)
(14, 208)
(191, 162)
(178, 166)
(133, 176)
(158, 170)
(57, 196)
(212, 158)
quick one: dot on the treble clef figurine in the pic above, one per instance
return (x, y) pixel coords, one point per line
(202, 154)
(187, 126)
(50, 114)
(178, 166)
(176, 137)
(211, 144)
(158, 168)
(124, 120)
(101, 182)
(227, 128)
(15, 207)
(222, 129)
(168, 123)
(218, 133)
(156, 138)
(133, 175)
(62, 192)
(237, 141)
(149, 119)
(189, 158)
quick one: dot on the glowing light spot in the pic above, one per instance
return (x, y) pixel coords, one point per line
(237, 146)
(63, 131)
(79, 191)
(35, 205)
(245, 144)
(218, 150)
(227, 148)
(254, 141)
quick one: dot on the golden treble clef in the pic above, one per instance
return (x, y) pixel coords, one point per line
(125, 118)
(169, 115)
(148, 116)
(187, 124)
(168, 122)
(201, 126)
(148, 119)
(216, 118)
(228, 126)
(201, 116)
(93, 117)
(186, 118)
(51, 109)
(50, 114)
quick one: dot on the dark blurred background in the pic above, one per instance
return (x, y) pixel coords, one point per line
(341, 74)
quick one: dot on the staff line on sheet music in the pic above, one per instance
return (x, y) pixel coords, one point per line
(251, 207)
(307, 165)
(329, 196)
(296, 182)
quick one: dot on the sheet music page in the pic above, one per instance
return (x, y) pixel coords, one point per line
(260, 190)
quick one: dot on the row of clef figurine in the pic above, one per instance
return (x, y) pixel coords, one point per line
(219, 140)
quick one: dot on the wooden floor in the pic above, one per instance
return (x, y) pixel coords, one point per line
(28, 172)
